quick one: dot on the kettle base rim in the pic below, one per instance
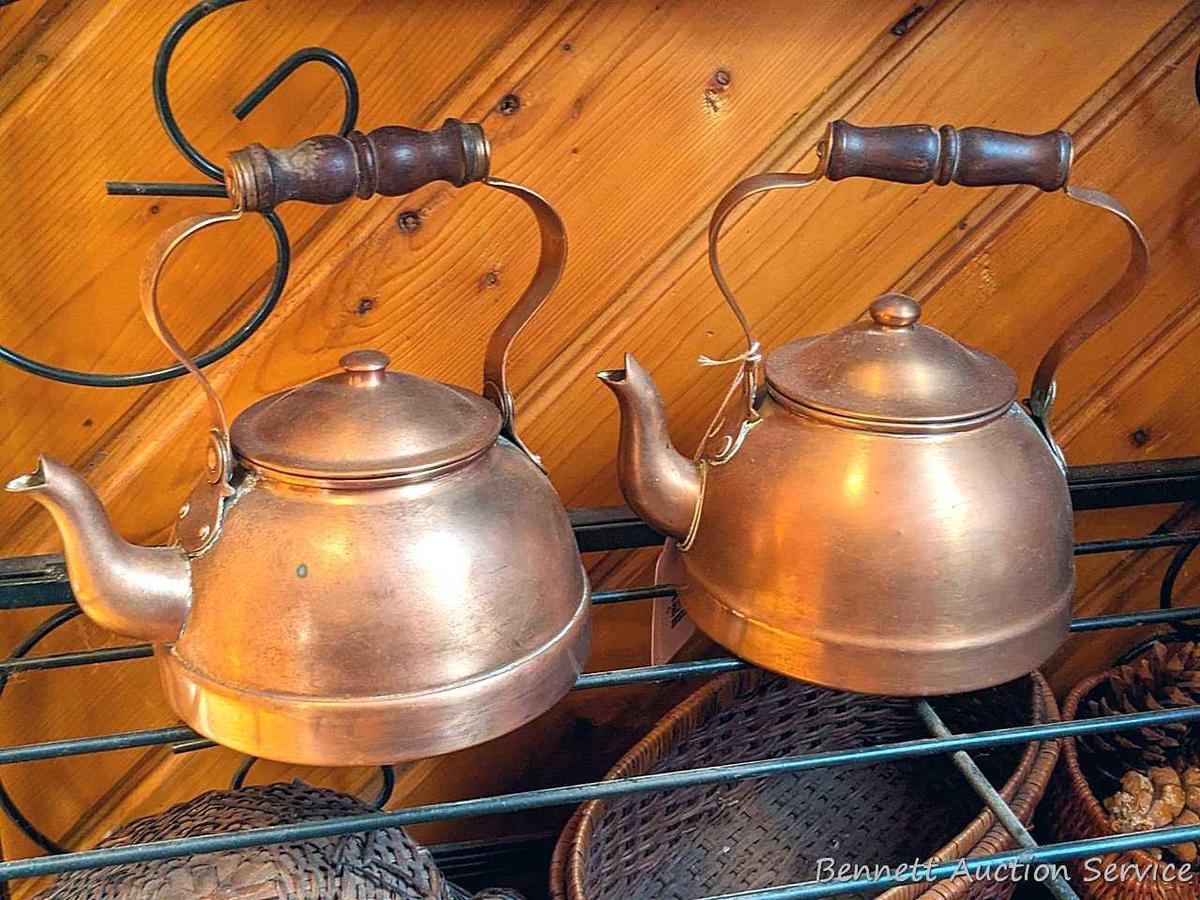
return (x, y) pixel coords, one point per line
(871, 670)
(332, 731)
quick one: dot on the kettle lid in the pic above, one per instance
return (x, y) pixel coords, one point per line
(365, 422)
(892, 371)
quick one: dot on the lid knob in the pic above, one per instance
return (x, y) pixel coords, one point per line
(365, 361)
(895, 311)
(366, 367)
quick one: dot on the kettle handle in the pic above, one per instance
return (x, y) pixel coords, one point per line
(972, 157)
(391, 161)
(552, 259)
(200, 522)
(325, 169)
(329, 169)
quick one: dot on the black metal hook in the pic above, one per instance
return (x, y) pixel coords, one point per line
(385, 791)
(181, 142)
(290, 65)
(162, 100)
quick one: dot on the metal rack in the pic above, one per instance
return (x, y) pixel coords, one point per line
(31, 582)
(41, 581)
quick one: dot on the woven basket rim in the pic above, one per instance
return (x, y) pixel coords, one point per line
(1101, 825)
(1023, 790)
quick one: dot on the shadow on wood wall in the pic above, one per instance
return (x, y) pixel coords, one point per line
(632, 118)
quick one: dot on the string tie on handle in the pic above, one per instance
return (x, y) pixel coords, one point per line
(751, 356)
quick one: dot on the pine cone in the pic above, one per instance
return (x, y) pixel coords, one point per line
(1157, 799)
(1167, 676)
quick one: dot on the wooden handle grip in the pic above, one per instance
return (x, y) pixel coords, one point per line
(974, 157)
(329, 168)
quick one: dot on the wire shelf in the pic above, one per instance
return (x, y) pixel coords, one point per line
(40, 581)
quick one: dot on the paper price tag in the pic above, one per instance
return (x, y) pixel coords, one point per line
(669, 630)
(670, 626)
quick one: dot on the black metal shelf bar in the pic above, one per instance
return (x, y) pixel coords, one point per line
(624, 595)
(33, 581)
(29, 581)
(1135, 483)
(1135, 619)
(979, 783)
(75, 658)
(601, 528)
(1149, 542)
(124, 740)
(192, 744)
(636, 675)
(664, 672)
(578, 793)
(1025, 860)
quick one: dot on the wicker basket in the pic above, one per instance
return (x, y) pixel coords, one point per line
(1073, 812)
(378, 865)
(692, 842)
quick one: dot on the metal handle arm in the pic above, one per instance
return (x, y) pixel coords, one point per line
(919, 154)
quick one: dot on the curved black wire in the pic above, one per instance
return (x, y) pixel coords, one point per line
(162, 101)
(385, 791)
(1166, 592)
(1197, 79)
(283, 257)
(7, 803)
(1166, 600)
(170, 124)
(290, 65)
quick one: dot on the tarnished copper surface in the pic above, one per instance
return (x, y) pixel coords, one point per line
(357, 626)
(372, 568)
(354, 621)
(141, 592)
(659, 483)
(873, 562)
(365, 422)
(891, 369)
(882, 563)
(883, 517)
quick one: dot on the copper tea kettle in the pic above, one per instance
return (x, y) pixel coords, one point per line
(878, 514)
(374, 567)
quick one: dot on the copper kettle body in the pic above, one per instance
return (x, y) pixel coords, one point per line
(871, 509)
(374, 568)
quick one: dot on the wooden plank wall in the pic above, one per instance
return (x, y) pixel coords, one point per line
(625, 124)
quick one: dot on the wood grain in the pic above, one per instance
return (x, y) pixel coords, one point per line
(633, 118)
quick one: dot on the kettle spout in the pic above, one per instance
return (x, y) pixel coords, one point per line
(141, 592)
(660, 484)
